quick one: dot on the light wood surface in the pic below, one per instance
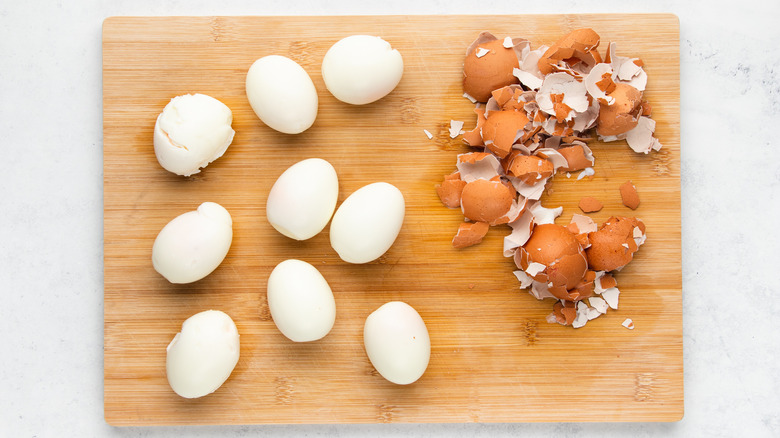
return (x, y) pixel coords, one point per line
(494, 358)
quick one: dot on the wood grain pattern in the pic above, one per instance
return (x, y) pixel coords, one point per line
(494, 357)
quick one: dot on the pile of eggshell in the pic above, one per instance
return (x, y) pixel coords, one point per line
(536, 112)
(194, 130)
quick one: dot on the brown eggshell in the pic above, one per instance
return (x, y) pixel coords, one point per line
(530, 168)
(564, 312)
(629, 195)
(501, 129)
(589, 204)
(470, 233)
(571, 47)
(487, 201)
(575, 157)
(623, 115)
(482, 75)
(474, 137)
(450, 190)
(555, 247)
(613, 245)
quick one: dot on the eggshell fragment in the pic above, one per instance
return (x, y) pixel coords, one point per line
(450, 190)
(578, 157)
(193, 244)
(589, 204)
(361, 69)
(487, 201)
(641, 138)
(301, 301)
(192, 131)
(562, 96)
(623, 114)
(303, 199)
(397, 342)
(629, 195)
(470, 233)
(521, 232)
(531, 169)
(474, 137)
(455, 128)
(613, 245)
(575, 47)
(482, 75)
(501, 129)
(367, 223)
(557, 249)
(282, 94)
(201, 357)
(478, 165)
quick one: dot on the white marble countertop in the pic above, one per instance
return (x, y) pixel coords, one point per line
(51, 317)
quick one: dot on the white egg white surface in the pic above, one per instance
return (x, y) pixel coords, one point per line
(303, 198)
(361, 69)
(301, 301)
(193, 244)
(367, 223)
(397, 342)
(282, 94)
(192, 131)
(201, 357)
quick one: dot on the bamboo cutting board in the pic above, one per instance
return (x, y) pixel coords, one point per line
(494, 358)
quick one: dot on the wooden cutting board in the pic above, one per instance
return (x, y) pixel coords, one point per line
(494, 358)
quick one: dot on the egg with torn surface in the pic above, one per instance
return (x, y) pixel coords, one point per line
(361, 69)
(367, 223)
(282, 94)
(201, 357)
(193, 244)
(192, 131)
(303, 198)
(301, 301)
(397, 342)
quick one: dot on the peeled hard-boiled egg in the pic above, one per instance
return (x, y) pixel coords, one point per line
(192, 131)
(193, 244)
(397, 342)
(361, 69)
(367, 222)
(282, 94)
(300, 300)
(303, 199)
(201, 357)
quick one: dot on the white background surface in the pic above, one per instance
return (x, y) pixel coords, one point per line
(51, 314)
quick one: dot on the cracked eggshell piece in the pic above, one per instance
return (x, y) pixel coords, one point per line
(193, 244)
(488, 201)
(367, 223)
(192, 131)
(623, 114)
(613, 245)
(282, 94)
(361, 69)
(470, 233)
(562, 95)
(303, 198)
(629, 195)
(301, 301)
(397, 342)
(202, 355)
(557, 250)
(478, 165)
(492, 70)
